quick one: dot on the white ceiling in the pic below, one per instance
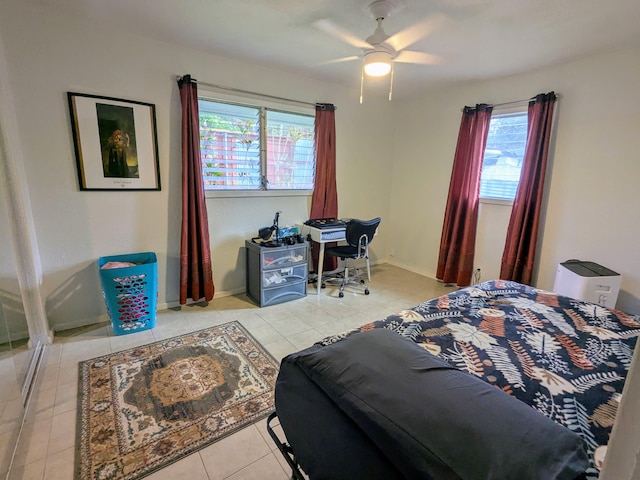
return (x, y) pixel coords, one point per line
(480, 39)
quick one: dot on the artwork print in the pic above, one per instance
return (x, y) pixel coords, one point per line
(115, 143)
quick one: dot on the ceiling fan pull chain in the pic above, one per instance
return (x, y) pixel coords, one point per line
(391, 80)
(361, 82)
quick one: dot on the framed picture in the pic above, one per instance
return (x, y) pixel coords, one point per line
(116, 143)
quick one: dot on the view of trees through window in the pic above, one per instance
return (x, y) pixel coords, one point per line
(503, 156)
(240, 153)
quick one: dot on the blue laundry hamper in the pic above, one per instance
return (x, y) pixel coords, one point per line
(130, 293)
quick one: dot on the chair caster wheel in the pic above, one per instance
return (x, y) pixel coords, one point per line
(324, 285)
(341, 294)
(366, 291)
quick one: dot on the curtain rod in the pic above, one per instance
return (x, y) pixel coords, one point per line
(264, 95)
(514, 102)
(505, 104)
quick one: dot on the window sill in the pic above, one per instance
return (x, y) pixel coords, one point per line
(256, 193)
(497, 201)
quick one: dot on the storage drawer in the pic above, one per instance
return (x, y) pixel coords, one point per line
(283, 257)
(281, 276)
(272, 296)
(276, 274)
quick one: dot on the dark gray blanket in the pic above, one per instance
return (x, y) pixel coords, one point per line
(387, 403)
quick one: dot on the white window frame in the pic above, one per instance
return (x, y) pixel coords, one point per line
(503, 112)
(257, 102)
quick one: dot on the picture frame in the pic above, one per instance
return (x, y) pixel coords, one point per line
(116, 144)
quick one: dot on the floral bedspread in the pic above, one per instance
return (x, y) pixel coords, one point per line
(566, 358)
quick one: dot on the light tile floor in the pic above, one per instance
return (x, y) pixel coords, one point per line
(47, 443)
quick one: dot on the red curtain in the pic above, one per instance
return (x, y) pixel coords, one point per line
(457, 243)
(324, 201)
(196, 275)
(522, 235)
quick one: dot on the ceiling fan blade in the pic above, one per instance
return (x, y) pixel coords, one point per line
(410, 35)
(340, 60)
(410, 56)
(340, 33)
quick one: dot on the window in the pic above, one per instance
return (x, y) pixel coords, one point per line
(503, 156)
(255, 148)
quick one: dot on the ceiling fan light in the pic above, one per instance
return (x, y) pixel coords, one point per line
(377, 64)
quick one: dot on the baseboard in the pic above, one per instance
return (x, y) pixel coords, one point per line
(68, 325)
(104, 318)
(219, 294)
(411, 268)
(14, 336)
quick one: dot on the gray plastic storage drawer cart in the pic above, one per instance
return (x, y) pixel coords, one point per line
(276, 274)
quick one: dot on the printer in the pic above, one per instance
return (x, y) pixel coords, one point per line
(587, 281)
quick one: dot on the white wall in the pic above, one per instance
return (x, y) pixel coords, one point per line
(592, 208)
(493, 220)
(51, 54)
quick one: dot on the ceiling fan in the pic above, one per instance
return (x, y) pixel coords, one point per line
(380, 50)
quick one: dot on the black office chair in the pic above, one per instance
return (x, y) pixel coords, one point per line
(359, 234)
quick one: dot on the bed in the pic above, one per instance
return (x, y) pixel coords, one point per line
(564, 360)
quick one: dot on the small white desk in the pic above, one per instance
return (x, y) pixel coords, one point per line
(322, 236)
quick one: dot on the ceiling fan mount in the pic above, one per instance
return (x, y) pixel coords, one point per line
(381, 9)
